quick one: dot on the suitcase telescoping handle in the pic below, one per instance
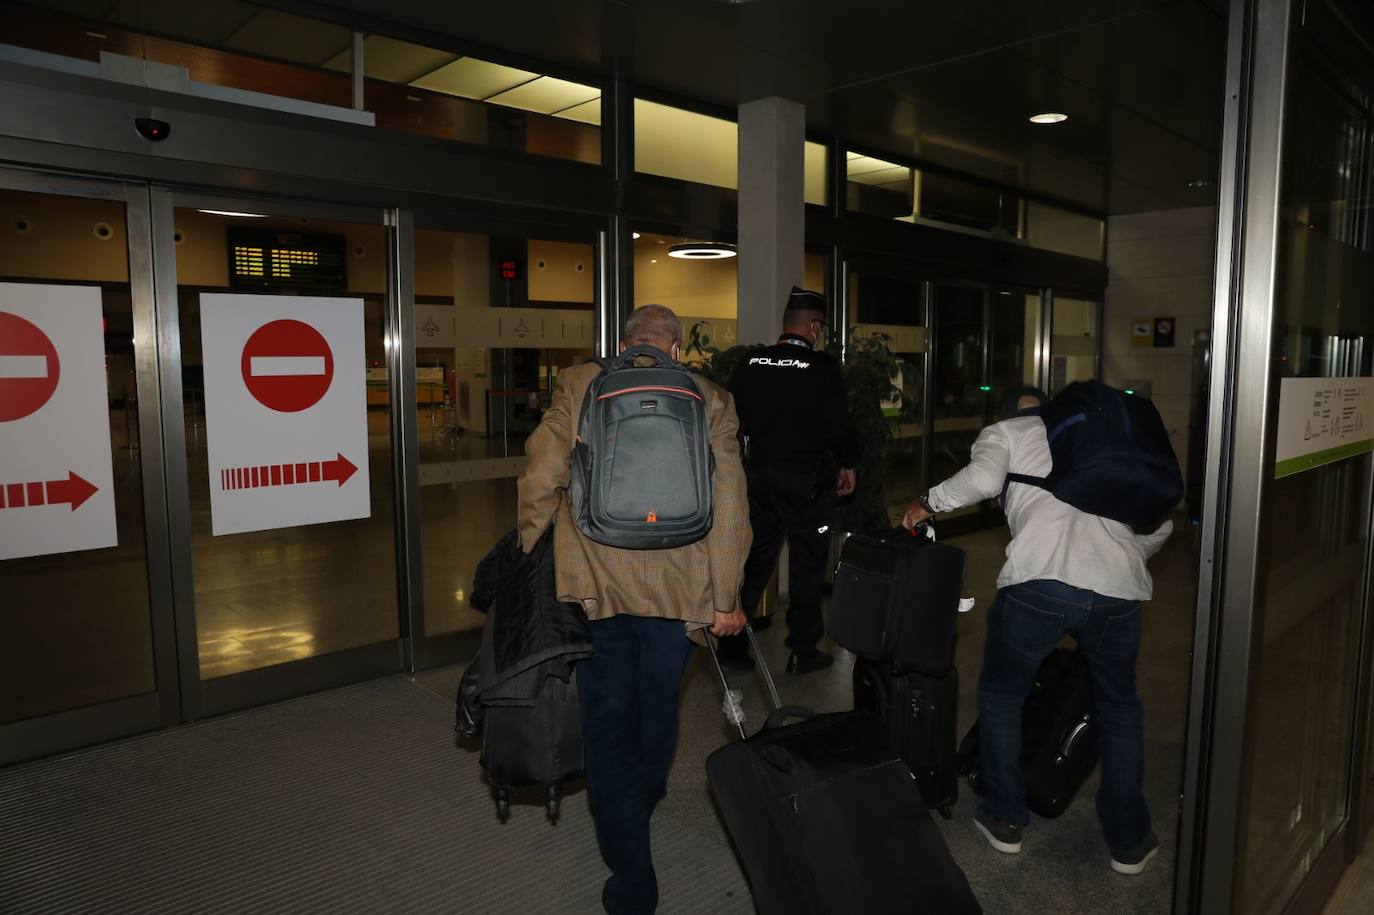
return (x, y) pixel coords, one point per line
(762, 667)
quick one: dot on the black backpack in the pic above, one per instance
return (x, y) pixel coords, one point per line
(642, 465)
(1112, 456)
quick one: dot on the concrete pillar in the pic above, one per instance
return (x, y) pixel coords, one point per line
(772, 213)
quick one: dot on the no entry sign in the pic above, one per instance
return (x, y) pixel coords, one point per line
(285, 409)
(29, 367)
(287, 365)
(56, 477)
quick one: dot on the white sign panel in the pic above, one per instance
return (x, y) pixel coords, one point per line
(285, 410)
(1323, 420)
(56, 477)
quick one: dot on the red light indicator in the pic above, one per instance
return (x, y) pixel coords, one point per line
(510, 270)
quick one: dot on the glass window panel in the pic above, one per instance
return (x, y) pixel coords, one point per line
(817, 165)
(892, 305)
(703, 293)
(877, 187)
(942, 198)
(408, 88)
(1059, 230)
(1311, 565)
(281, 595)
(77, 626)
(1074, 344)
(1015, 341)
(961, 406)
(497, 318)
(683, 144)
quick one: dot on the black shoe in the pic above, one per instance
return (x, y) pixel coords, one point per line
(1005, 837)
(805, 662)
(740, 661)
(1134, 861)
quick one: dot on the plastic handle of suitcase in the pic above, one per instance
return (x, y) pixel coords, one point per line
(759, 661)
(764, 672)
(780, 715)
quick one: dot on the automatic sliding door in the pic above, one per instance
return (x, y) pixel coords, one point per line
(893, 305)
(82, 538)
(285, 411)
(497, 318)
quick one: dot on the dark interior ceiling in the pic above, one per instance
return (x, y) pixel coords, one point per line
(949, 83)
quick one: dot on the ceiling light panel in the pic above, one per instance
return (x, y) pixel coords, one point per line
(546, 95)
(587, 112)
(198, 23)
(869, 170)
(284, 36)
(393, 61)
(468, 77)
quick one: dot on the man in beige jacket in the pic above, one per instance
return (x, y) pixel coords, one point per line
(640, 604)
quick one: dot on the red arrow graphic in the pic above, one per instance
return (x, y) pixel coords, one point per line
(337, 471)
(73, 491)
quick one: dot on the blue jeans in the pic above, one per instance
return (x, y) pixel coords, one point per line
(1025, 623)
(628, 692)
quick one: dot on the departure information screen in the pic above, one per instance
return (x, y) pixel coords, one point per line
(287, 260)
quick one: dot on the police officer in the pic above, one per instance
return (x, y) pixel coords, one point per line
(801, 448)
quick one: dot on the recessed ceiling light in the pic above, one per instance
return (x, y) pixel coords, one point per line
(233, 213)
(702, 251)
(1049, 117)
(634, 234)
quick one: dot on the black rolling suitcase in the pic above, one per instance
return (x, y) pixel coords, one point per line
(826, 819)
(919, 712)
(896, 598)
(534, 746)
(1059, 735)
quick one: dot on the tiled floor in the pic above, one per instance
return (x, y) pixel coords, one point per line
(1064, 866)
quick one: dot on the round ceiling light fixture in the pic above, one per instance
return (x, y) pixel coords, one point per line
(1049, 117)
(702, 251)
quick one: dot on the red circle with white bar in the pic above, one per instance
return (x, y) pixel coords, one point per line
(29, 368)
(287, 365)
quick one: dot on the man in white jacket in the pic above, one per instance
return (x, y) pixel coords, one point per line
(1067, 572)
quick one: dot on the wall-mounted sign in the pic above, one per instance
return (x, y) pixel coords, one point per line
(56, 477)
(285, 410)
(1164, 332)
(1143, 332)
(1321, 421)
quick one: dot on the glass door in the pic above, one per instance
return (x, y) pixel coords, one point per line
(277, 320)
(962, 395)
(889, 303)
(1075, 343)
(498, 315)
(86, 644)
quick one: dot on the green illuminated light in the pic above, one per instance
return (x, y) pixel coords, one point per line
(988, 387)
(1129, 391)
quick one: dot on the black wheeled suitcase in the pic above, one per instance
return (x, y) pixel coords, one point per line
(920, 713)
(1059, 735)
(534, 746)
(896, 598)
(827, 820)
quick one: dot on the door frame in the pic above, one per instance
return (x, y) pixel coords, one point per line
(198, 697)
(60, 731)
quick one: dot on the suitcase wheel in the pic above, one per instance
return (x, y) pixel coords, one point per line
(503, 804)
(553, 800)
(975, 781)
